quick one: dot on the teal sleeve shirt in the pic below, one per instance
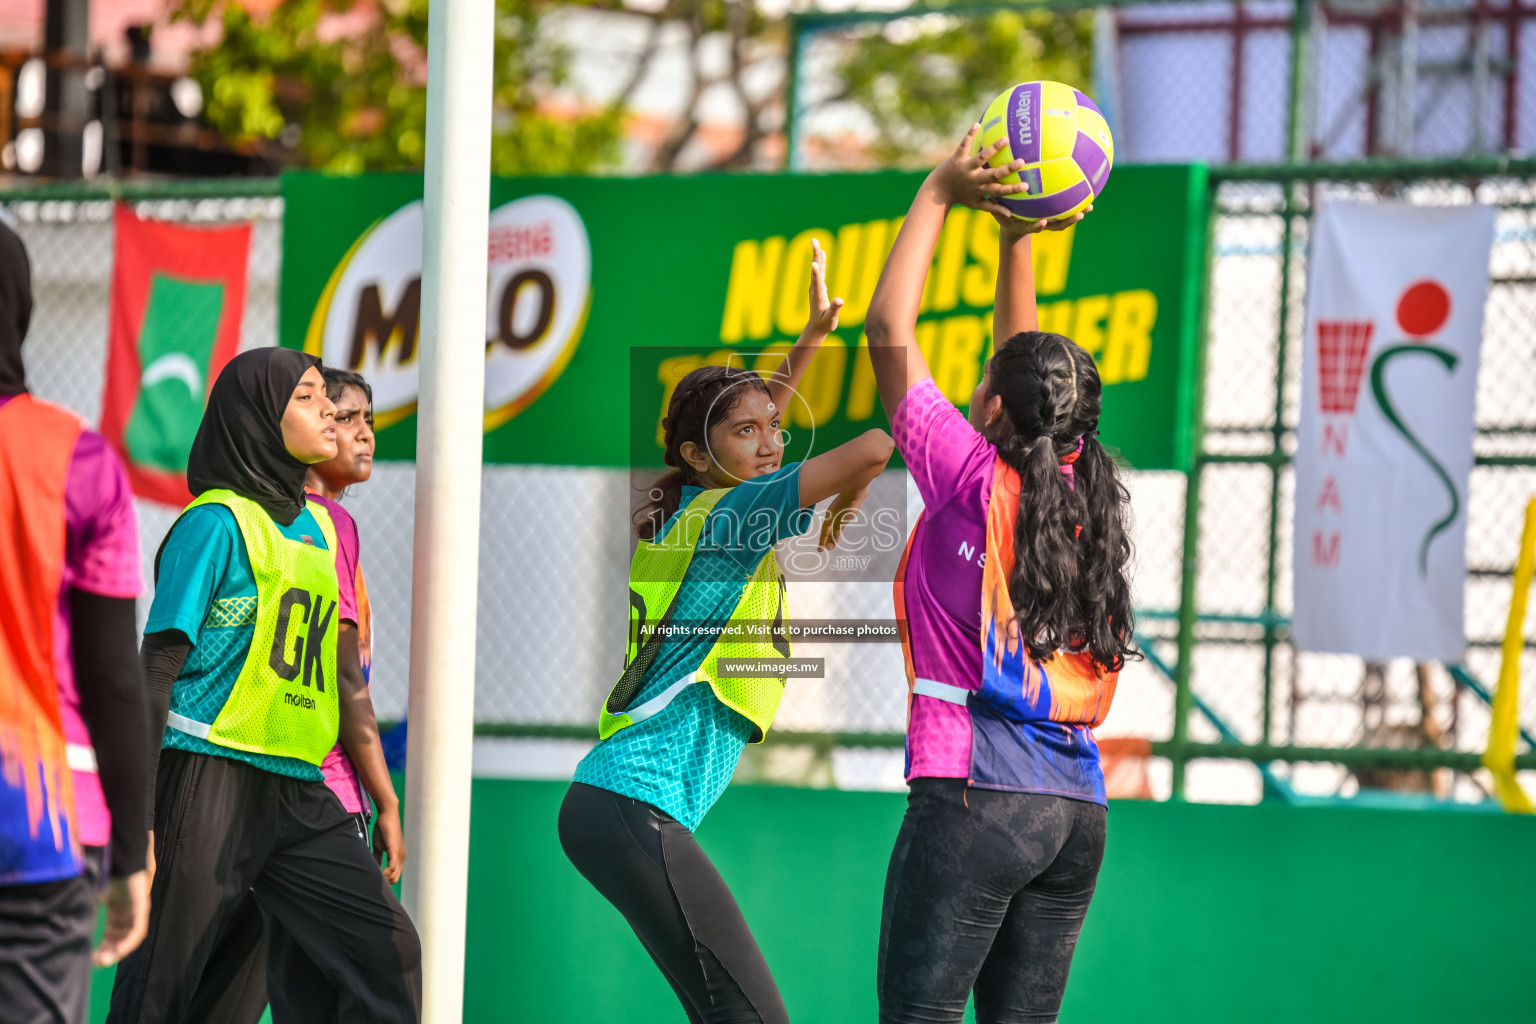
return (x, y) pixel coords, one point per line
(204, 587)
(681, 759)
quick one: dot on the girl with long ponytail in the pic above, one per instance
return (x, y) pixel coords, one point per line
(1015, 606)
(677, 721)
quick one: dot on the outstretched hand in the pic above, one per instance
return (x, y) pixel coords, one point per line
(389, 844)
(966, 179)
(843, 510)
(824, 312)
(1015, 228)
(127, 903)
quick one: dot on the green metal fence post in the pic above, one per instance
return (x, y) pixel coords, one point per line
(1201, 249)
(792, 92)
(1296, 153)
(1183, 696)
(136, 191)
(1296, 127)
(1278, 459)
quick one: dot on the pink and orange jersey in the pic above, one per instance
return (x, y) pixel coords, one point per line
(38, 838)
(100, 556)
(1066, 687)
(981, 708)
(364, 624)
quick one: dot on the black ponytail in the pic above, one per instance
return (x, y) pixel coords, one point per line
(663, 500)
(701, 400)
(1071, 542)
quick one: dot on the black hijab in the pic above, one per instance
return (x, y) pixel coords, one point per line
(239, 445)
(15, 310)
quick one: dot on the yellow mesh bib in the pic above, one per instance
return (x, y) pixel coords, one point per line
(655, 574)
(284, 702)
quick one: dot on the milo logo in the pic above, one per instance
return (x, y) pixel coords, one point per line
(539, 266)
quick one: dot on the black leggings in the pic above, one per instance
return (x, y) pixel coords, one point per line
(987, 890)
(249, 952)
(45, 935)
(231, 840)
(653, 870)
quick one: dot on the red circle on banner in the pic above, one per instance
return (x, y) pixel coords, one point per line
(1423, 308)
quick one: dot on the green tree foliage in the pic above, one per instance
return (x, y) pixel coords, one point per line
(333, 85)
(923, 80)
(341, 84)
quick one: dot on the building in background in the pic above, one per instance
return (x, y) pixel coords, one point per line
(90, 87)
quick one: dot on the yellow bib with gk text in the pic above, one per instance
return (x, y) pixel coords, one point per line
(284, 702)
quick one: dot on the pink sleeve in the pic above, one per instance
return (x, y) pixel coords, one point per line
(341, 777)
(346, 554)
(101, 553)
(943, 452)
(346, 562)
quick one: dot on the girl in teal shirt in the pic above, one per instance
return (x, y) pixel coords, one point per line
(231, 821)
(627, 823)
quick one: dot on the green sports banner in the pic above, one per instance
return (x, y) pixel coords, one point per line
(602, 292)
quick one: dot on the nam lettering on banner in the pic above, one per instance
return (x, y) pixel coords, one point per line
(1395, 297)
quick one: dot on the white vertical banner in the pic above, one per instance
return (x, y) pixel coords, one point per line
(1395, 297)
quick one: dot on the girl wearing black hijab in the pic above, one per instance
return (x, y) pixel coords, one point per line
(240, 654)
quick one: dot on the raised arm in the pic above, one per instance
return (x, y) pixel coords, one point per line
(891, 323)
(822, 322)
(847, 469)
(963, 179)
(1014, 311)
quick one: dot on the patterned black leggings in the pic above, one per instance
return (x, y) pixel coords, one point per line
(654, 873)
(987, 890)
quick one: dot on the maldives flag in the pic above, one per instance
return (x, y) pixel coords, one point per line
(178, 295)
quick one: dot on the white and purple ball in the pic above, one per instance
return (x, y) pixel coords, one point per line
(1063, 140)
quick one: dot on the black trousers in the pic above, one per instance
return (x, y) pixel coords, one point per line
(654, 872)
(45, 946)
(226, 832)
(987, 890)
(245, 951)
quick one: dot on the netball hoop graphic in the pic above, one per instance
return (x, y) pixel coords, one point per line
(1342, 346)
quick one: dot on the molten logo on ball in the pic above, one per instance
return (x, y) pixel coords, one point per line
(1024, 119)
(1064, 141)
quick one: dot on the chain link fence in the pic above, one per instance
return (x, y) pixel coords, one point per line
(1212, 80)
(1245, 668)
(554, 543)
